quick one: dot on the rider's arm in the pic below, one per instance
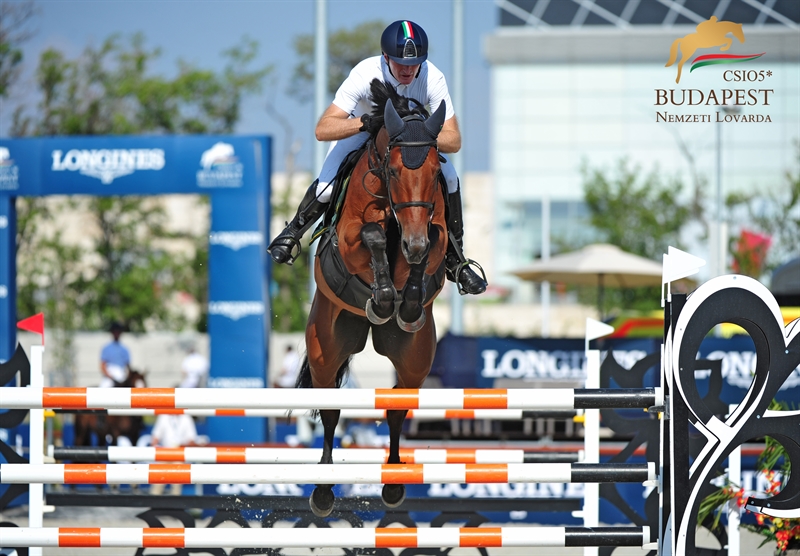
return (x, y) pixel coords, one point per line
(336, 124)
(104, 369)
(450, 137)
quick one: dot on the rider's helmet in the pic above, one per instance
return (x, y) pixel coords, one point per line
(405, 42)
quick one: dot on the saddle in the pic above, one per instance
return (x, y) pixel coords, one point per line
(351, 289)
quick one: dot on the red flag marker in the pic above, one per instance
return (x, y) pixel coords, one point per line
(33, 324)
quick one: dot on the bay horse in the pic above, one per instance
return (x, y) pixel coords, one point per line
(709, 33)
(108, 428)
(380, 264)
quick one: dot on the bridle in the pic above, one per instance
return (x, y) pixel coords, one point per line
(381, 170)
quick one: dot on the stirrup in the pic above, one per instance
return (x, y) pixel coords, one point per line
(293, 244)
(457, 274)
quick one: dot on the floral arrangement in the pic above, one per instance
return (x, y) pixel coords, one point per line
(785, 533)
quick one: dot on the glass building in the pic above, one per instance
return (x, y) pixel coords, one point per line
(578, 82)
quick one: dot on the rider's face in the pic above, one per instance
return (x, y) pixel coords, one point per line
(404, 74)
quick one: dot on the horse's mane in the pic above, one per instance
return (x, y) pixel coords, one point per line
(381, 93)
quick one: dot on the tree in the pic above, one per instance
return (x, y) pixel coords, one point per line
(643, 215)
(125, 273)
(15, 18)
(289, 294)
(774, 213)
(346, 48)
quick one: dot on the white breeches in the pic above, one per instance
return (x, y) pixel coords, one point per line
(339, 150)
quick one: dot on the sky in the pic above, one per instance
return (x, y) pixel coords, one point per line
(198, 31)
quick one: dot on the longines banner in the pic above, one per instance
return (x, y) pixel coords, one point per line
(467, 362)
(233, 171)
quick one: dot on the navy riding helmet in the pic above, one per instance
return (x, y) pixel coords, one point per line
(405, 42)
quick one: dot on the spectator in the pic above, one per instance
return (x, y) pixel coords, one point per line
(290, 367)
(115, 359)
(173, 431)
(194, 368)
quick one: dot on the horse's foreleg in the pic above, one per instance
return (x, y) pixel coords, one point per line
(727, 45)
(380, 307)
(393, 495)
(322, 498)
(411, 315)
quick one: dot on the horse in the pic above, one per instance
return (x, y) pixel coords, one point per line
(109, 428)
(709, 33)
(379, 266)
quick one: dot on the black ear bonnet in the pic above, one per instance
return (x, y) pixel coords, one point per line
(413, 129)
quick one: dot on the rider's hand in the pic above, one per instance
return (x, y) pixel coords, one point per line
(366, 119)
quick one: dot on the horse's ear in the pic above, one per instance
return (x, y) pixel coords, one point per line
(435, 122)
(393, 122)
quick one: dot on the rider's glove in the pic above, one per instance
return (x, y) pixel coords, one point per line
(366, 119)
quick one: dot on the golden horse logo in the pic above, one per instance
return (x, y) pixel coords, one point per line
(709, 33)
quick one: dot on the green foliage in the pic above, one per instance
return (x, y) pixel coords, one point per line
(346, 48)
(641, 214)
(775, 213)
(15, 18)
(121, 270)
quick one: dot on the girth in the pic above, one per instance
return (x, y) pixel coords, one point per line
(351, 289)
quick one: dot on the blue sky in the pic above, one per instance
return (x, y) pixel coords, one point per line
(197, 31)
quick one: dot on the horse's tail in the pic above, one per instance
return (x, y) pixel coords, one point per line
(673, 52)
(304, 378)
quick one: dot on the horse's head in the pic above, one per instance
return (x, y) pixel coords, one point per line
(411, 173)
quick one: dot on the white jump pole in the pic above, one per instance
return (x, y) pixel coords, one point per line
(549, 399)
(423, 473)
(36, 443)
(345, 537)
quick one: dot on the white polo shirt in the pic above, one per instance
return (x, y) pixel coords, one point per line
(429, 87)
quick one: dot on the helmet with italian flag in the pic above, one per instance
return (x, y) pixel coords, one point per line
(405, 42)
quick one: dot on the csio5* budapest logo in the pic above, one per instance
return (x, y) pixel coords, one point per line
(739, 87)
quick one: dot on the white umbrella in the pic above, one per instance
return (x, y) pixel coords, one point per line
(598, 265)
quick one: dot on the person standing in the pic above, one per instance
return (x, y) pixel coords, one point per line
(194, 368)
(115, 359)
(290, 367)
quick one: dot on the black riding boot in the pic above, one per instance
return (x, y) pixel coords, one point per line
(283, 246)
(457, 265)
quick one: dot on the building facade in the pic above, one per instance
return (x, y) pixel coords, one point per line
(583, 83)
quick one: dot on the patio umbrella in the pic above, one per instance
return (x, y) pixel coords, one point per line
(600, 265)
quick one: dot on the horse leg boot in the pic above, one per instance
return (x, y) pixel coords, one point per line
(411, 315)
(282, 247)
(394, 495)
(456, 264)
(322, 498)
(380, 307)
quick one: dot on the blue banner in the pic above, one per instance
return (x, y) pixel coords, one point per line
(233, 171)
(479, 362)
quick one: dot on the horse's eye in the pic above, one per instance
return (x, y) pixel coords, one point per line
(393, 173)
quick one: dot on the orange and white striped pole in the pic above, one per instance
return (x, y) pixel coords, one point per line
(434, 537)
(547, 399)
(421, 473)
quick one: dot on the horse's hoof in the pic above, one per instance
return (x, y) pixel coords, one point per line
(411, 327)
(393, 495)
(321, 501)
(373, 318)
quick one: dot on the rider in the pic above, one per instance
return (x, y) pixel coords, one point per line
(402, 64)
